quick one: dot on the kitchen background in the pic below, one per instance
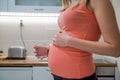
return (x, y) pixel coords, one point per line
(38, 27)
(36, 30)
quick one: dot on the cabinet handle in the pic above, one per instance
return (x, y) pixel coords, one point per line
(38, 9)
(47, 70)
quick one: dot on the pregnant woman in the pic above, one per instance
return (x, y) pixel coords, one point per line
(81, 23)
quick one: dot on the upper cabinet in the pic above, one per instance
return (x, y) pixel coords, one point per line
(42, 6)
(3, 5)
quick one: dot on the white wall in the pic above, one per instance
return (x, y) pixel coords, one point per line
(35, 32)
(116, 4)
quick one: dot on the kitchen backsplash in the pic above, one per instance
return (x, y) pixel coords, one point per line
(38, 31)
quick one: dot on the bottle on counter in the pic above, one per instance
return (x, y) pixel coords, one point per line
(1, 52)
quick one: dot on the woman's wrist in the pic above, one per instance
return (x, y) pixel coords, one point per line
(74, 42)
(70, 41)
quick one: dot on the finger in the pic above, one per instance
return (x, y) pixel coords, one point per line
(35, 52)
(42, 57)
(60, 32)
(35, 47)
(54, 43)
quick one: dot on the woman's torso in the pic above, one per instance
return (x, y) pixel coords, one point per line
(69, 62)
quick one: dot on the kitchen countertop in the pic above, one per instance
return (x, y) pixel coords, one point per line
(36, 62)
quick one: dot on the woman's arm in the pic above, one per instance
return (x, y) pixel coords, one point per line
(105, 16)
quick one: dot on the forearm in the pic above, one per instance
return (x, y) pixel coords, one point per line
(102, 48)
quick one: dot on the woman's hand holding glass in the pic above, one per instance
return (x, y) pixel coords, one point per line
(41, 52)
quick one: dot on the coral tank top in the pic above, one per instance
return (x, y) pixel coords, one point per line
(70, 62)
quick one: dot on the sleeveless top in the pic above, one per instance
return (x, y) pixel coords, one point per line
(68, 62)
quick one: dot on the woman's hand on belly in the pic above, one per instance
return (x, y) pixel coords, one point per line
(61, 39)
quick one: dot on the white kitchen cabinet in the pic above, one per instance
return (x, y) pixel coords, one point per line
(105, 73)
(15, 73)
(106, 78)
(108, 73)
(117, 74)
(3, 5)
(41, 6)
(42, 73)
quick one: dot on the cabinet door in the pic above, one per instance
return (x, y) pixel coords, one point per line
(106, 78)
(42, 73)
(15, 73)
(117, 73)
(3, 5)
(105, 71)
(42, 6)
